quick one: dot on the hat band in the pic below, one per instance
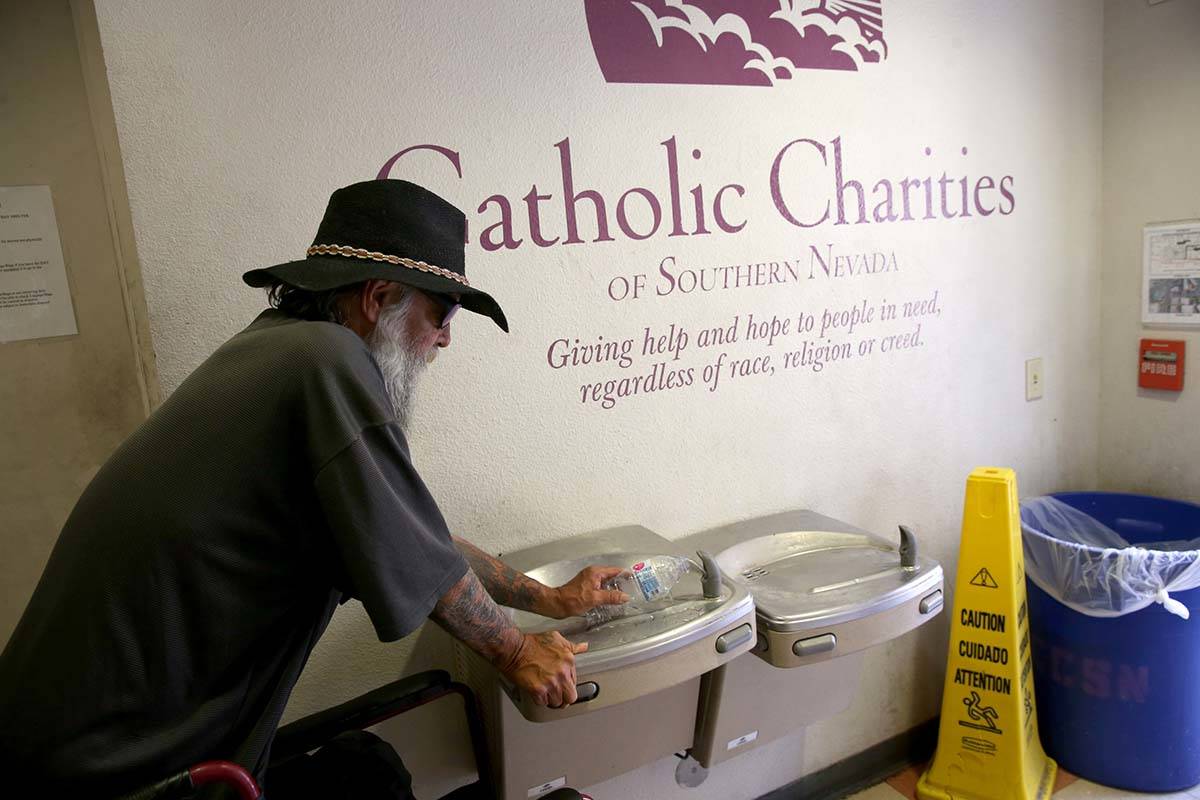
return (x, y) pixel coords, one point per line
(358, 252)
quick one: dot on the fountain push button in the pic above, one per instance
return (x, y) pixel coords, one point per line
(931, 602)
(734, 638)
(814, 645)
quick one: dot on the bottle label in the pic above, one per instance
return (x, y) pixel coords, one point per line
(647, 581)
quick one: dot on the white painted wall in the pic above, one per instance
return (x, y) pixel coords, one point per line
(1149, 440)
(236, 121)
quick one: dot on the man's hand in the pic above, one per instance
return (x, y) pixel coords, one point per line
(544, 668)
(583, 592)
(542, 664)
(509, 587)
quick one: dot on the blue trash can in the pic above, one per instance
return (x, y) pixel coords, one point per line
(1118, 697)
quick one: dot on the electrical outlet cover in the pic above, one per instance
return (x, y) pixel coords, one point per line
(1034, 379)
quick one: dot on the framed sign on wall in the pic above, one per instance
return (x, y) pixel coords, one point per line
(1171, 273)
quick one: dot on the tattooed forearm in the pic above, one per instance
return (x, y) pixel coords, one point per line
(468, 614)
(506, 585)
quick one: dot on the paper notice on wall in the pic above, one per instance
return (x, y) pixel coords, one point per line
(1171, 273)
(35, 301)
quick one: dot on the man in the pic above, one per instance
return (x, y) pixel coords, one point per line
(205, 559)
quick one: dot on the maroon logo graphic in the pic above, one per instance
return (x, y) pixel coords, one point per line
(732, 42)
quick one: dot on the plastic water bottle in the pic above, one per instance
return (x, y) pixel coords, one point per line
(644, 582)
(653, 578)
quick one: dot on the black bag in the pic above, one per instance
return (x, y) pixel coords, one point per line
(355, 765)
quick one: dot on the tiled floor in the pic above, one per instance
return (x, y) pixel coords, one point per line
(1066, 787)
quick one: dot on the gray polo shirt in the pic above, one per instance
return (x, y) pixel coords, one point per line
(205, 559)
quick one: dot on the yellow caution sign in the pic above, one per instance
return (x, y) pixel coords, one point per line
(988, 745)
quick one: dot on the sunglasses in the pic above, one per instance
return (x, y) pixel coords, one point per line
(448, 305)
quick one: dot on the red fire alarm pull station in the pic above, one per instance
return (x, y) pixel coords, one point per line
(1161, 365)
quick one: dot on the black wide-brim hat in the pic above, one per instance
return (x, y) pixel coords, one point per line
(388, 229)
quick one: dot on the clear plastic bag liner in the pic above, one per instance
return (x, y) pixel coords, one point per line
(1091, 568)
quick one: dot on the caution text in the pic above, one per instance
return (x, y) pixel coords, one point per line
(982, 652)
(982, 680)
(983, 620)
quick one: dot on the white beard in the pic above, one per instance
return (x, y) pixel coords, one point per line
(397, 359)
